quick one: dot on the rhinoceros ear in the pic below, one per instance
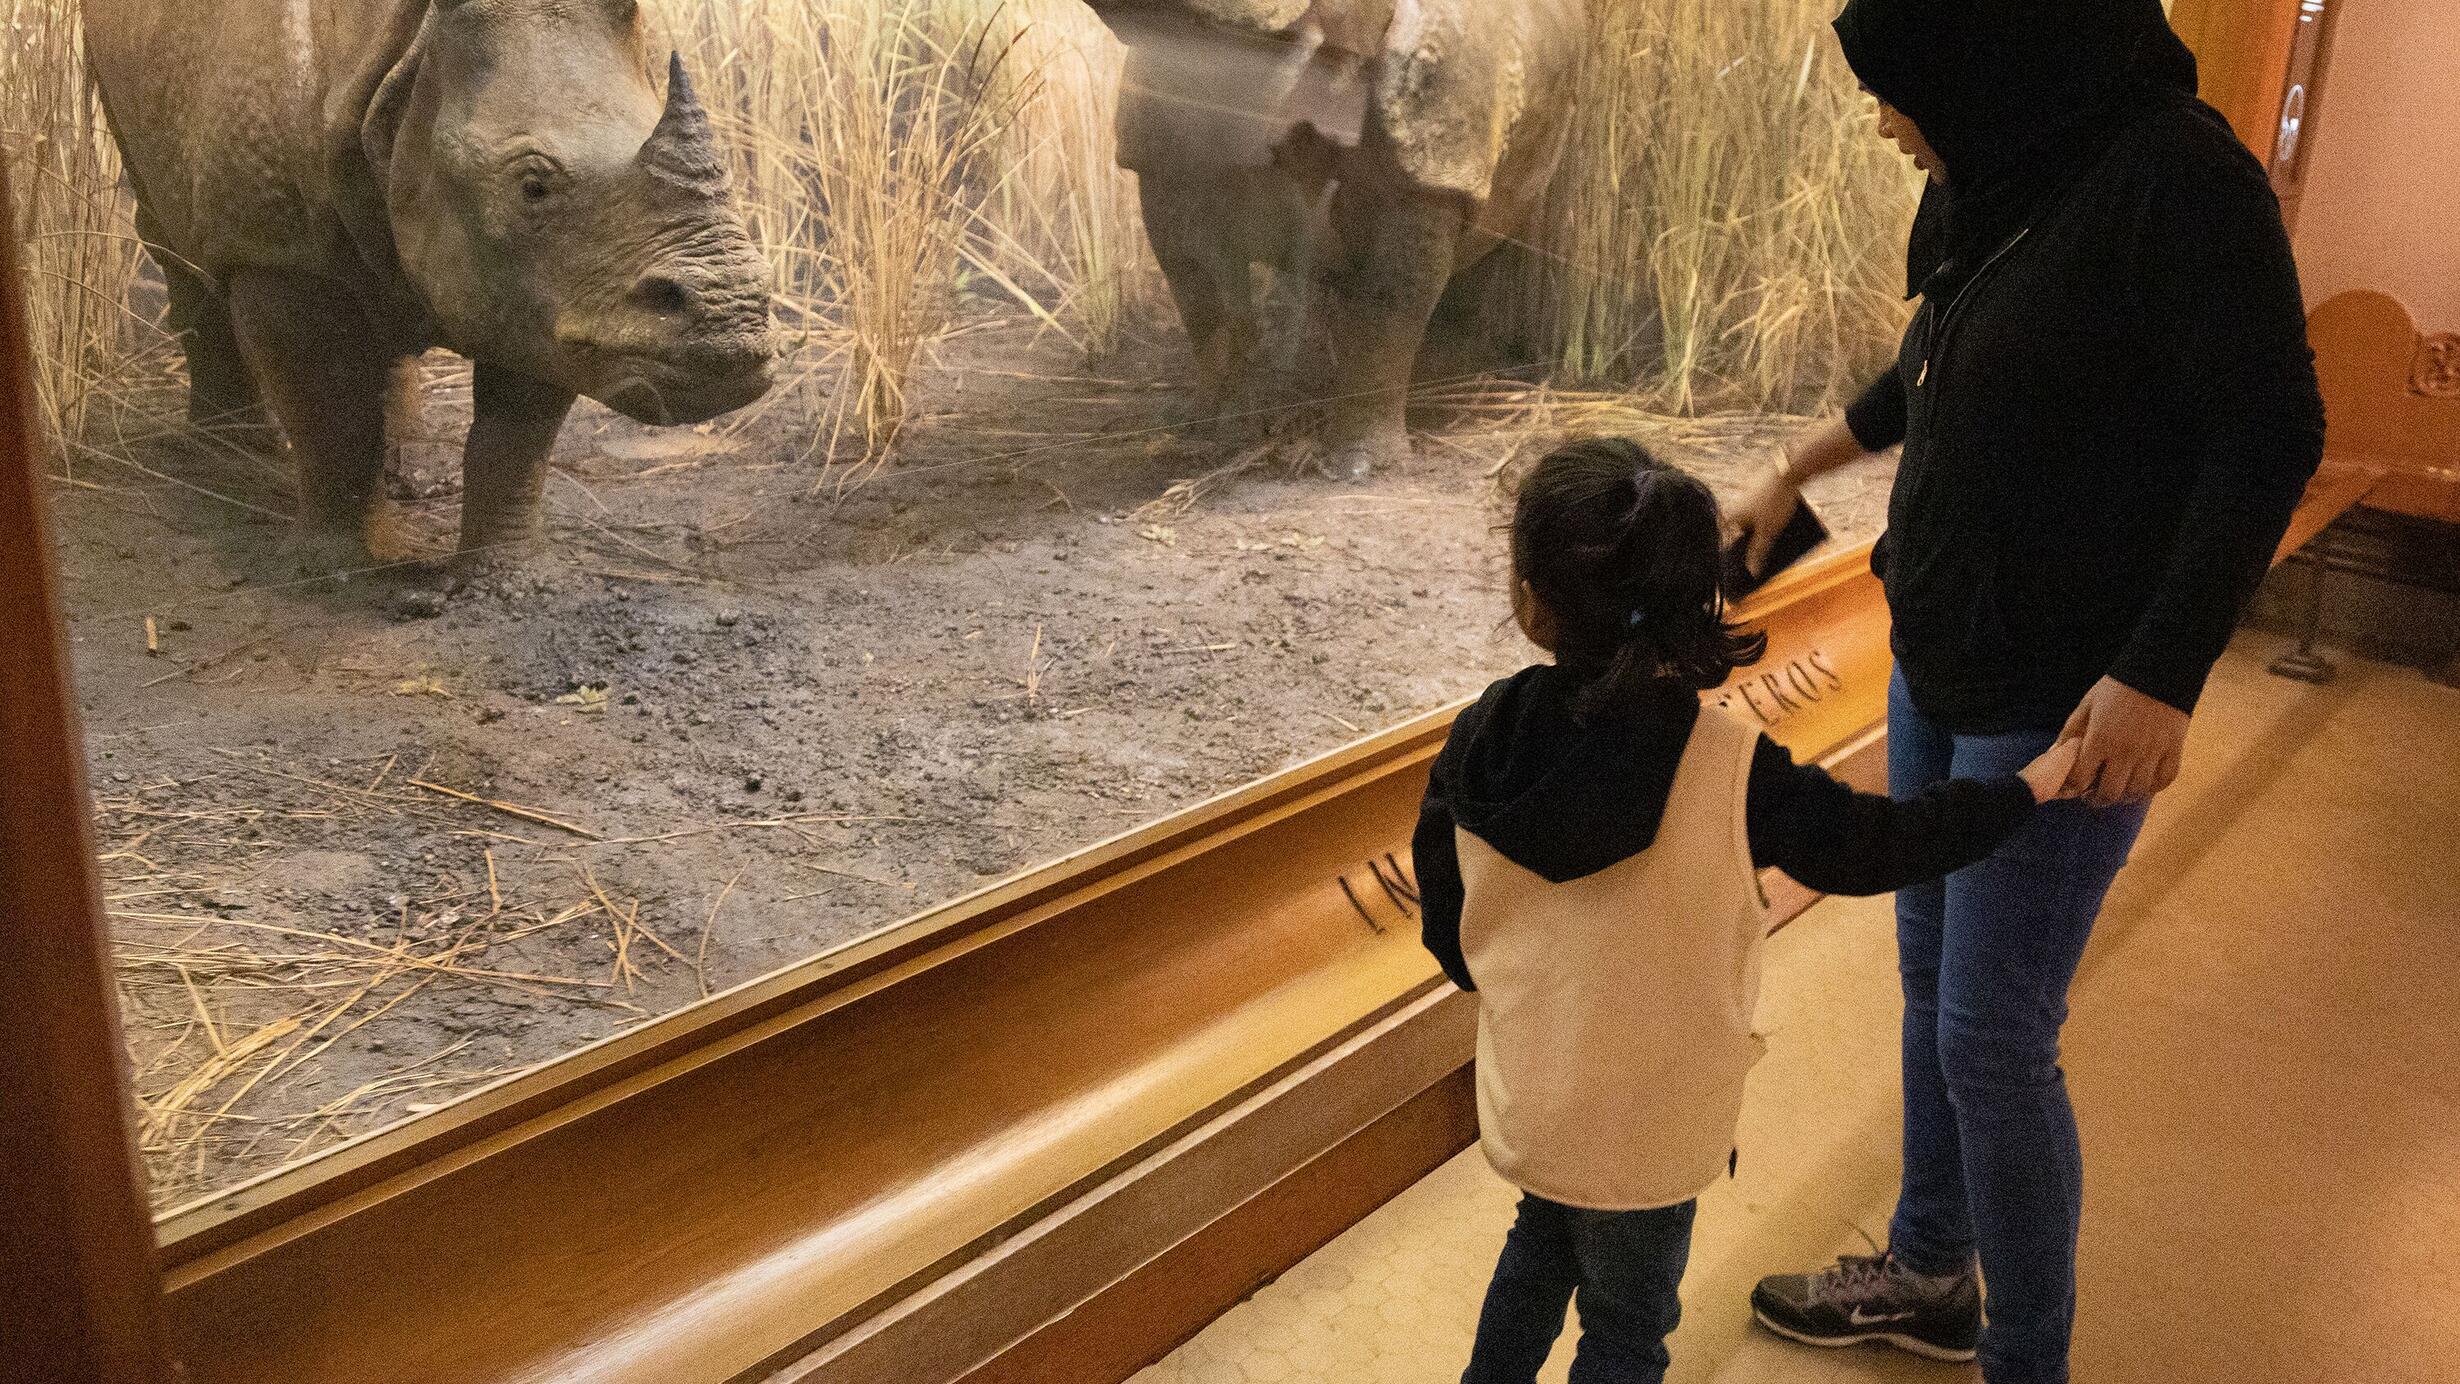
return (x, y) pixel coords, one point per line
(363, 119)
(1452, 84)
(681, 150)
(381, 125)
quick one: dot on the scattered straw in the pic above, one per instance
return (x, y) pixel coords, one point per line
(700, 959)
(527, 814)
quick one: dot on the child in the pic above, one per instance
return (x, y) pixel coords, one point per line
(1588, 855)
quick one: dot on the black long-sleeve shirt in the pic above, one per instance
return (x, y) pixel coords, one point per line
(2105, 434)
(1565, 800)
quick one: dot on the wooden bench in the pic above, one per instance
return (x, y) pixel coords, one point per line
(2392, 403)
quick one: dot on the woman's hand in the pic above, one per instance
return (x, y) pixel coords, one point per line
(1763, 513)
(2047, 774)
(2128, 744)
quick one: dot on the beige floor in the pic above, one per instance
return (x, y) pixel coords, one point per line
(2265, 1049)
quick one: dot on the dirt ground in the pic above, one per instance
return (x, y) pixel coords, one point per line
(720, 722)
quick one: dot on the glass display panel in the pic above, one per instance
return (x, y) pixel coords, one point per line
(762, 494)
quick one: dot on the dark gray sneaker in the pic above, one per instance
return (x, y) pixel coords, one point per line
(1869, 1298)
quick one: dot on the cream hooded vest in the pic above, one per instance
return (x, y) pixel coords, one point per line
(1614, 1010)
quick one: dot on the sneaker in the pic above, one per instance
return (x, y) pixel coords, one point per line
(1869, 1298)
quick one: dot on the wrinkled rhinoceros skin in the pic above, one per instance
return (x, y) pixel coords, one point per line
(333, 188)
(1369, 148)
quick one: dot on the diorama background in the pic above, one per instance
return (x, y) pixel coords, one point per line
(959, 596)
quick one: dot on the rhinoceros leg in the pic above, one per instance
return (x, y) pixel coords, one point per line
(222, 393)
(1396, 253)
(326, 375)
(513, 424)
(1209, 279)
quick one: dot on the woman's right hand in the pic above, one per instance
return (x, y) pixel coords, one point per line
(1763, 513)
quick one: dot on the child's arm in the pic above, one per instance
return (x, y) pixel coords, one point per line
(1837, 841)
(1435, 855)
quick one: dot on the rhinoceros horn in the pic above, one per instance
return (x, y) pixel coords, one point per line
(680, 150)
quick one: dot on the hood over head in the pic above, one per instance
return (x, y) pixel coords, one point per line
(1557, 798)
(2016, 96)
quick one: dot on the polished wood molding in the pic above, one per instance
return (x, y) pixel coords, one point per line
(79, 1291)
(1170, 1243)
(1161, 1305)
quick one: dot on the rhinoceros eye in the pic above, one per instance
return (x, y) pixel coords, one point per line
(539, 178)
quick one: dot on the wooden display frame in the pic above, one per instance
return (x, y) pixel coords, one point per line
(80, 1296)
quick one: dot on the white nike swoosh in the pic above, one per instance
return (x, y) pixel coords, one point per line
(1859, 1318)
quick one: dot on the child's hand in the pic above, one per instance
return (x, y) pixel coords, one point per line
(2047, 776)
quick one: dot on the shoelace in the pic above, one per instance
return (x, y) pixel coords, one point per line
(1855, 1278)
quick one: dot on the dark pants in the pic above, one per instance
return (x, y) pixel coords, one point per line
(1992, 1161)
(1625, 1267)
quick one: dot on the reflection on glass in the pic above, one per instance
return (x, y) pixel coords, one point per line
(1029, 543)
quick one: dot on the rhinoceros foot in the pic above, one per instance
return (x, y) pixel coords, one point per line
(1235, 418)
(486, 561)
(1359, 458)
(322, 552)
(343, 546)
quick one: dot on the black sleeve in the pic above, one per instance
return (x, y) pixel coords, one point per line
(2222, 289)
(1435, 858)
(1877, 418)
(1837, 841)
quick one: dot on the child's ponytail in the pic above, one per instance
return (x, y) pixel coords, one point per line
(1624, 553)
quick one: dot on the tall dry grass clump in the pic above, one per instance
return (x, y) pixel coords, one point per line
(73, 222)
(1063, 214)
(890, 153)
(862, 131)
(1727, 230)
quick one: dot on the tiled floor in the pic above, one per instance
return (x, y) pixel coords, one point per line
(2265, 1050)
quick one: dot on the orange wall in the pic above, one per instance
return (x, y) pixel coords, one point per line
(2382, 203)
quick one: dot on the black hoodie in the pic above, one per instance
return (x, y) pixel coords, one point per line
(2107, 402)
(1563, 800)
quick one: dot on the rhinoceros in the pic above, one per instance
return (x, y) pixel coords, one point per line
(1375, 147)
(333, 188)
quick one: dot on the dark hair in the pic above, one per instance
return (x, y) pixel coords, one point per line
(1624, 553)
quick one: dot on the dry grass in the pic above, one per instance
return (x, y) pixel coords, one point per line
(74, 225)
(1064, 216)
(892, 154)
(243, 961)
(229, 1012)
(1728, 232)
(1725, 235)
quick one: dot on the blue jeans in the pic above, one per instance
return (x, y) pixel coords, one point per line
(1625, 1267)
(1992, 1162)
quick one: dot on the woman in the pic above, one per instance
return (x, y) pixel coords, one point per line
(2108, 410)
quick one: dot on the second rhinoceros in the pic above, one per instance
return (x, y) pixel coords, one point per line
(331, 189)
(1373, 147)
